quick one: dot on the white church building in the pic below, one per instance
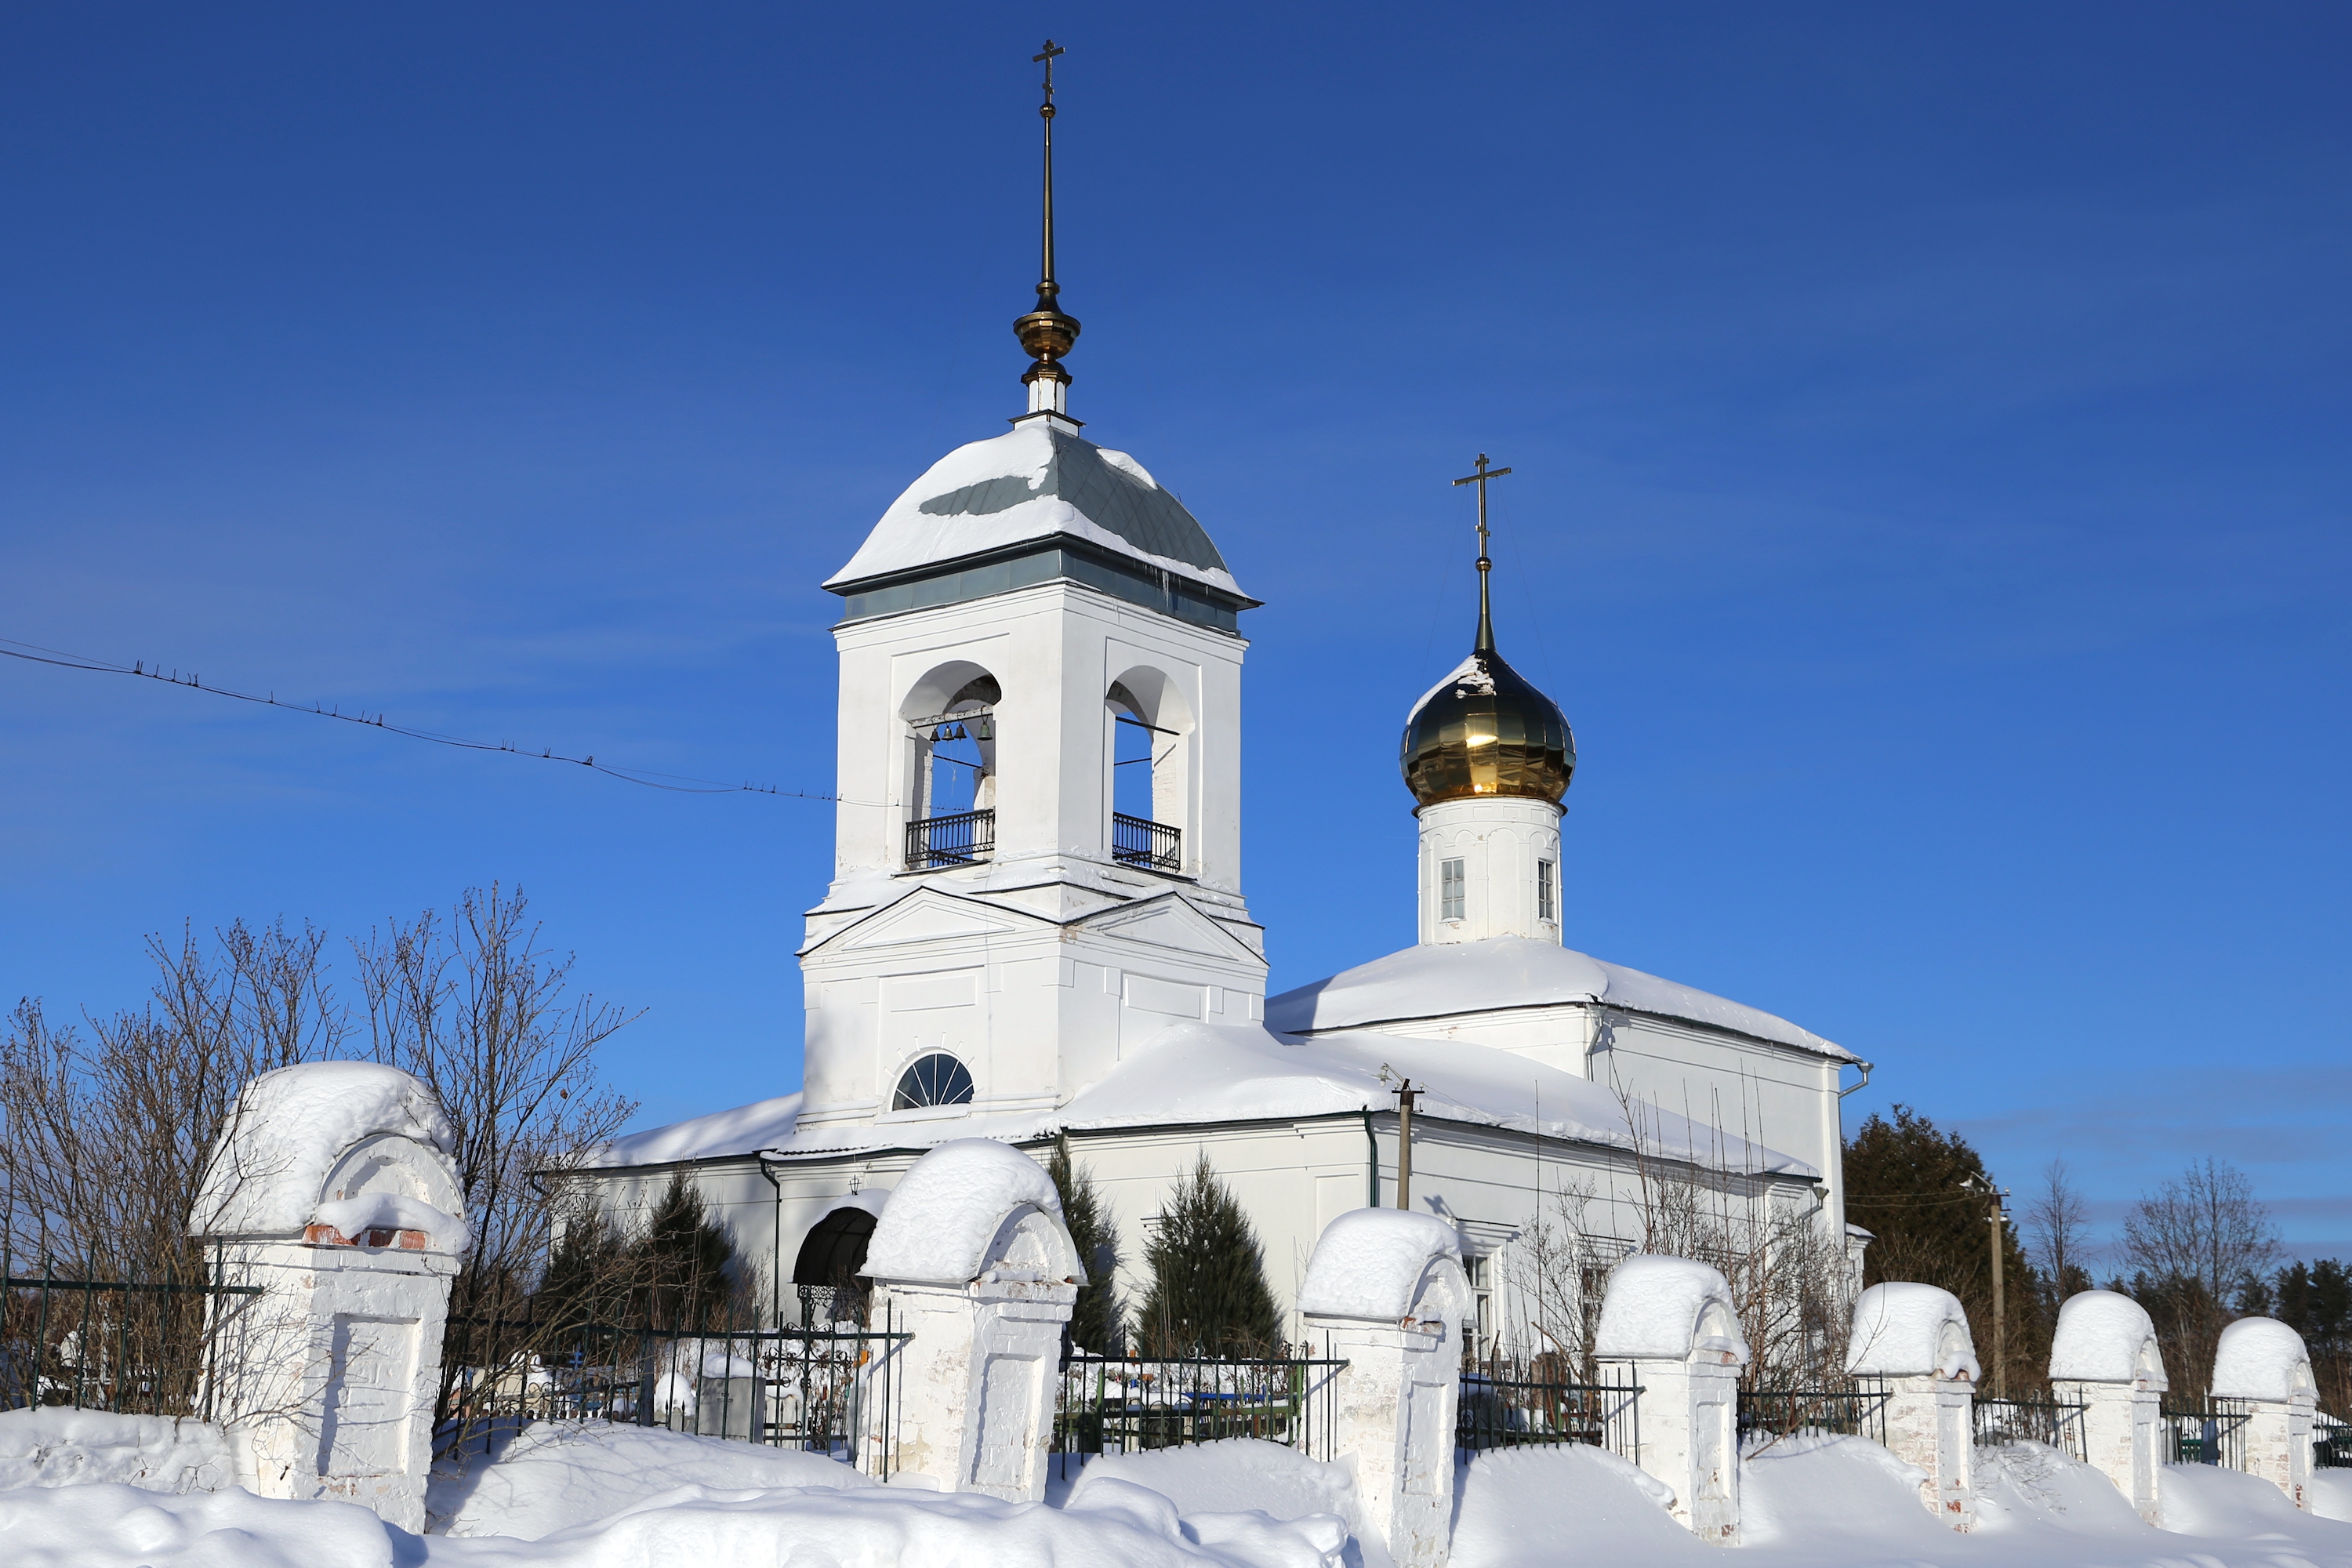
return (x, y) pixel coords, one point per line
(1038, 928)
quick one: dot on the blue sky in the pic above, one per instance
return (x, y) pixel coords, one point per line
(1929, 499)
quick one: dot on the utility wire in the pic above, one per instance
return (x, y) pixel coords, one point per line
(33, 653)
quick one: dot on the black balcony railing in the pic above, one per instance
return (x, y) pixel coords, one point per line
(965, 839)
(1153, 846)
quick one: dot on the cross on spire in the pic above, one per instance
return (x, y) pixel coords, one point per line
(1045, 331)
(1485, 614)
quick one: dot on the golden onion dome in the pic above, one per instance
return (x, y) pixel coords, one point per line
(1485, 730)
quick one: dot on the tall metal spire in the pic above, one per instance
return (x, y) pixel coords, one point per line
(1485, 607)
(1045, 331)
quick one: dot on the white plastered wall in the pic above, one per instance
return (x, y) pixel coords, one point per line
(1503, 843)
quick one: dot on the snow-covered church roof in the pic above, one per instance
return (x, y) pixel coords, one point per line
(1191, 1074)
(1444, 979)
(1036, 481)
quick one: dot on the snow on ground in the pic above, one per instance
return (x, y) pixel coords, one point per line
(2330, 1493)
(61, 1447)
(616, 1497)
(557, 1475)
(1240, 1475)
(1540, 1508)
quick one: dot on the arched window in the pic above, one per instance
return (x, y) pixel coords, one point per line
(935, 1080)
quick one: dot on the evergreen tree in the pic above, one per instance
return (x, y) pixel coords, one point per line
(1208, 1293)
(1908, 1184)
(682, 1262)
(586, 1280)
(2315, 1299)
(1096, 1321)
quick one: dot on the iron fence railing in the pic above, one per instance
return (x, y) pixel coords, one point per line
(828, 1391)
(1117, 1404)
(1154, 845)
(2205, 1430)
(2331, 1446)
(960, 838)
(2054, 1422)
(127, 1344)
(1856, 1408)
(1504, 1404)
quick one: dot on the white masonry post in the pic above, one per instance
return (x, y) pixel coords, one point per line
(1386, 1291)
(1915, 1338)
(331, 1191)
(975, 1261)
(2263, 1362)
(2105, 1357)
(1669, 1326)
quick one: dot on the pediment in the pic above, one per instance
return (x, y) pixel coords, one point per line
(926, 915)
(1168, 921)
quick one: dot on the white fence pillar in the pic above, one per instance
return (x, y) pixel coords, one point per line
(331, 1190)
(1670, 1324)
(2263, 1362)
(1915, 1337)
(980, 1270)
(1386, 1291)
(2105, 1356)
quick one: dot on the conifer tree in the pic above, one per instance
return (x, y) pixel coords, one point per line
(587, 1280)
(683, 1259)
(1096, 1321)
(1208, 1293)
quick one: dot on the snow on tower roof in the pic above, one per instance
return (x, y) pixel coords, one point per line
(1665, 1309)
(2262, 1358)
(1038, 479)
(2105, 1336)
(1902, 1329)
(1368, 1263)
(288, 1128)
(1444, 979)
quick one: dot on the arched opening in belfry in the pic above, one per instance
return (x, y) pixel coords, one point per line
(951, 738)
(1147, 796)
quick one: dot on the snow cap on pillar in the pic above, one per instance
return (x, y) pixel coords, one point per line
(946, 1216)
(1902, 1329)
(1667, 1308)
(352, 1146)
(2262, 1358)
(2104, 1336)
(1377, 1264)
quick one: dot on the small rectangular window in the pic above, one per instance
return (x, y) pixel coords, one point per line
(1450, 899)
(1544, 911)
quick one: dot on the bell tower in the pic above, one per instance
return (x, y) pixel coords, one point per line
(1037, 839)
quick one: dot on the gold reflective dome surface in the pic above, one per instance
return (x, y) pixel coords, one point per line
(1486, 731)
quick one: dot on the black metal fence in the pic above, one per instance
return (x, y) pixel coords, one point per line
(1854, 1407)
(2205, 1430)
(1154, 845)
(962, 838)
(2331, 1446)
(827, 1391)
(2054, 1422)
(1120, 1405)
(1505, 1405)
(131, 1345)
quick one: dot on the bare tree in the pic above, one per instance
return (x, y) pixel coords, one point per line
(2192, 1245)
(109, 1133)
(2059, 1224)
(1787, 1272)
(478, 1008)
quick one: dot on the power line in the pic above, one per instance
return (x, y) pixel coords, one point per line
(678, 784)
